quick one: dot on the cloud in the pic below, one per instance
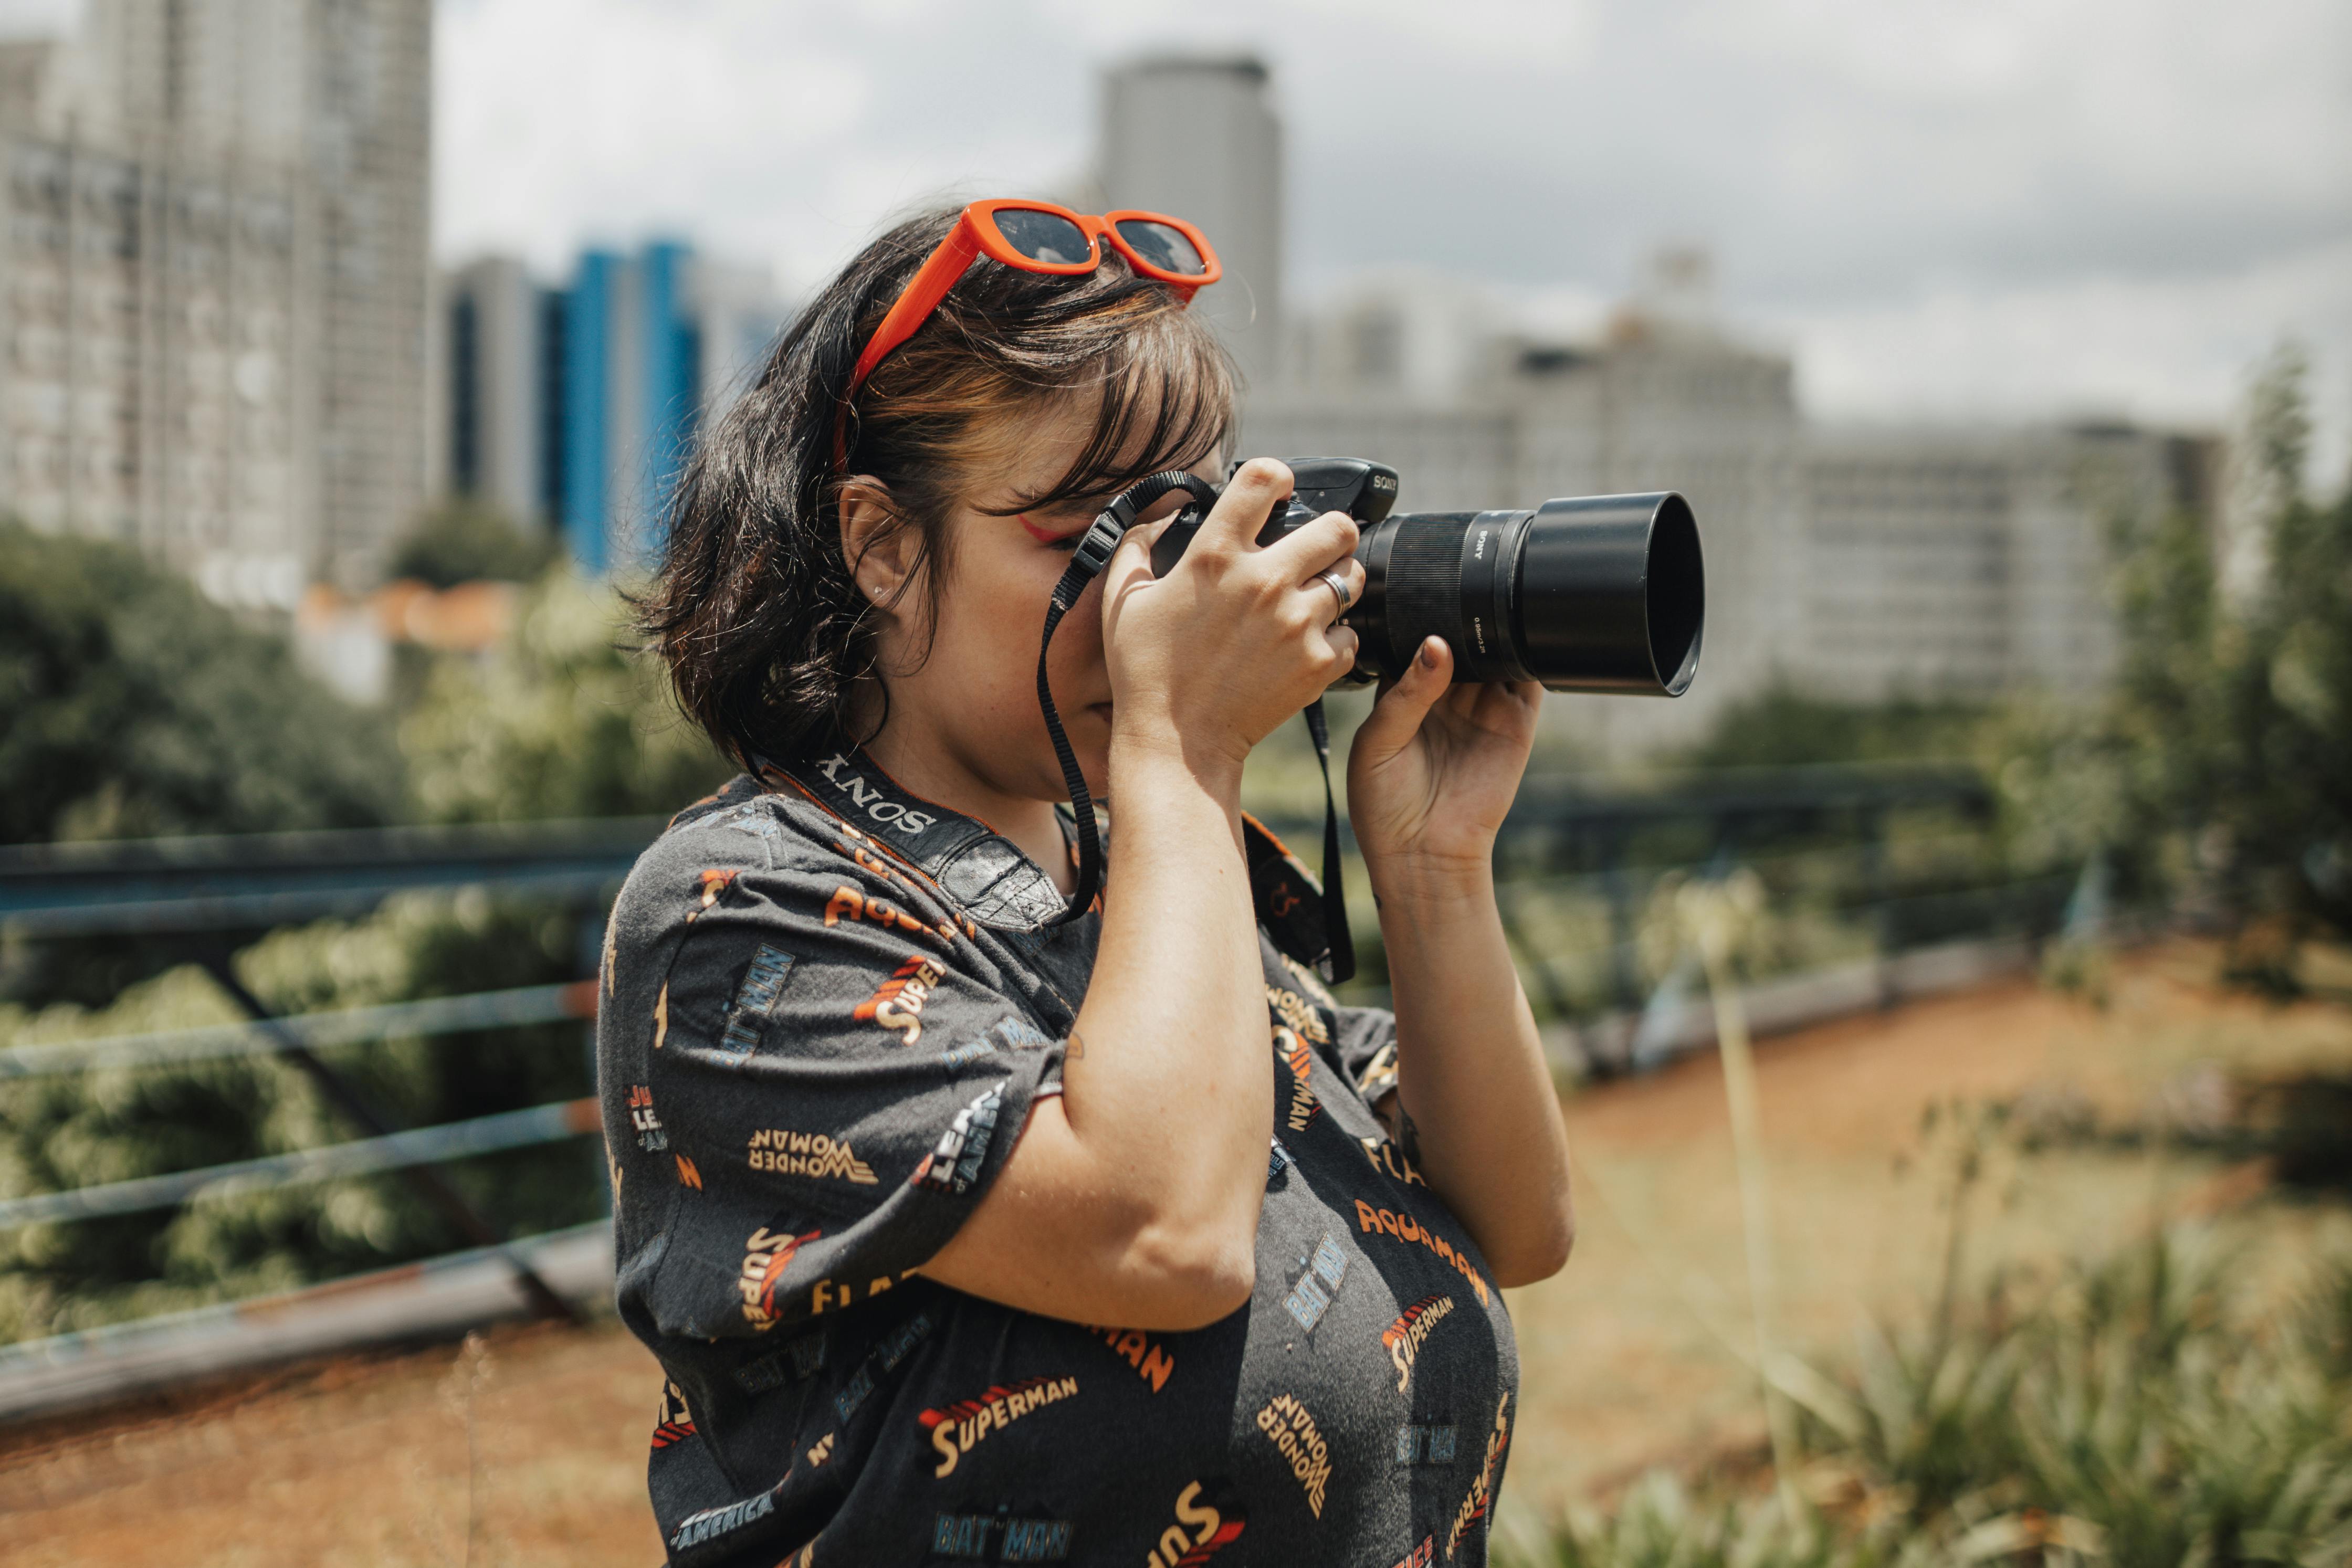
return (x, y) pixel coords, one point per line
(2116, 191)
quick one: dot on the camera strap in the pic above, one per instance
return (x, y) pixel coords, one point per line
(1340, 962)
(1094, 549)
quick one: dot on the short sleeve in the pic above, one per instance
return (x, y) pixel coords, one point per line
(1365, 1043)
(836, 1078)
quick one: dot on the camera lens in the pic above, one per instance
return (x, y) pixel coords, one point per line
(1600, 594)
(1593, 593)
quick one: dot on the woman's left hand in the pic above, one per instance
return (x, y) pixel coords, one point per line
(1433, 770)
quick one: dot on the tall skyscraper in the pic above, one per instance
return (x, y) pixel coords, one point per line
(368, 131)
(212, 282)
(1195, 136)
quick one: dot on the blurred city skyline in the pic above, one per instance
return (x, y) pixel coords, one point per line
(1972, 213)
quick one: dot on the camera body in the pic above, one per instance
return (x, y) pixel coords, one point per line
(1597, 593)
(1365, 490)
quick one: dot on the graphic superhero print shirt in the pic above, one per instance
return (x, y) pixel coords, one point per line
(828, 1008)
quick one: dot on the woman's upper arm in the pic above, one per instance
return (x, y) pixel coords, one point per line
(820, 1079)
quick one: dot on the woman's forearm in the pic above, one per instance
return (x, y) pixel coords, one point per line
(1132, 1197)
(1170, 1075)
(1475, 1099)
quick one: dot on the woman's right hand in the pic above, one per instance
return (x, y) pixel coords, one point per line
(1238, 637)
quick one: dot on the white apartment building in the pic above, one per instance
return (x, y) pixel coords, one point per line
(213, 281)
(1974, 560)
(1862, 562)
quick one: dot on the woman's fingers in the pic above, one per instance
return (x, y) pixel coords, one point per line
(1250, 498)
(1328, 602)
(1130, 564)
(1271, 614)
(1233, 525)
(1313, 547)
(1396, 718)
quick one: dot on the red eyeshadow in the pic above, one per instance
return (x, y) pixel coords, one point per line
(1043, 536)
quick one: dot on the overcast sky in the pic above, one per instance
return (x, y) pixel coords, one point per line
(1994, 209)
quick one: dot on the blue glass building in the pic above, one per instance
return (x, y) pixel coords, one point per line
(578, 406)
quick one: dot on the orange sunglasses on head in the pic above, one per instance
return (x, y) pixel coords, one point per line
(1036, 237)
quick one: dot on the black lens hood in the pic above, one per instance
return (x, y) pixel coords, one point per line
(1612, 595)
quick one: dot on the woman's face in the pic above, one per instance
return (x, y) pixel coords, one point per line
(972, 701)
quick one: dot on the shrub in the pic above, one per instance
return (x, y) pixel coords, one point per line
(130, 707)
(2132, 1414)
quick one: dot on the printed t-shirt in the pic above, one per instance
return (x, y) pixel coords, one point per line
(829, 1007)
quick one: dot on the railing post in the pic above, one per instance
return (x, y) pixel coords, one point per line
(1623, 981)
(1874, 881)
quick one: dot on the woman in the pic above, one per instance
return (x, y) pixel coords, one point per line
(965, 1234)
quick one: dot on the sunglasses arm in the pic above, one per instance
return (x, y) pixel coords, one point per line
(922, 296)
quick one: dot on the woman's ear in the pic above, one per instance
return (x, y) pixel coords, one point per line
(880, 551)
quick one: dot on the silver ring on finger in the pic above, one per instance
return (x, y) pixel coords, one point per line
(1339, 589)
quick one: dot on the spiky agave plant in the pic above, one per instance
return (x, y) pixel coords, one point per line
(1661, 1523)
(2136, 1416)
(2185, 1432)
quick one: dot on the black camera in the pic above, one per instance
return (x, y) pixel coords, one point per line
(1598, 593)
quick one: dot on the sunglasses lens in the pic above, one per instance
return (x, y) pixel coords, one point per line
(1163, 246)
(1041, 236)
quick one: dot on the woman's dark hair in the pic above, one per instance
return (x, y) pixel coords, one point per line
(754, 608)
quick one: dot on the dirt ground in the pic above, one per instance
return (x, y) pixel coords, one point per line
(527, 1444)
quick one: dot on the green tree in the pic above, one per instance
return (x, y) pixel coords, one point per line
(2220, 765)
(2237, 702)
(560, 721)
(1784, 728)
(465, 541)
(130, 706)
(563, 721)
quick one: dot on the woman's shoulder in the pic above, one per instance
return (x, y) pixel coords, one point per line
(739, 838)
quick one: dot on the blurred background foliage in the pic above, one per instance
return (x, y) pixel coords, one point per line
(2218, 771)
(120, 1124)
(560, 721)
(130, 706)
(465, 541)
(2212, 780)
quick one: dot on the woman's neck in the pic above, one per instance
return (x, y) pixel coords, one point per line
(1031, 826)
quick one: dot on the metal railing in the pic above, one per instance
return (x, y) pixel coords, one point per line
(1564, 839)
(352, 1026)
(393, 1151)
(219, 889)
(254, 881)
